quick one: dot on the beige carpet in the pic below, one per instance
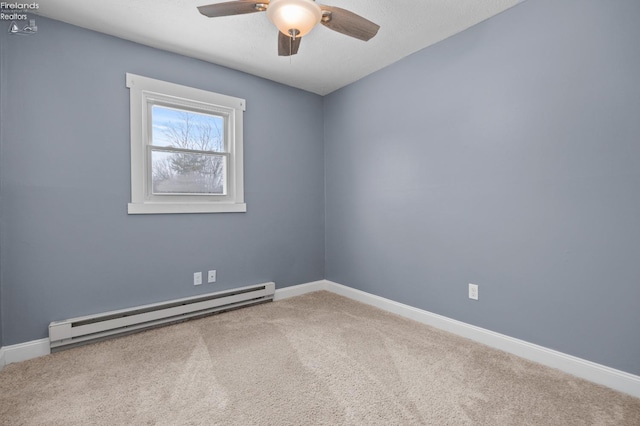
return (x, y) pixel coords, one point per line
(318, 359)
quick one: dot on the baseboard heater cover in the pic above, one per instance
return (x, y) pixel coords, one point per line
(75, 331)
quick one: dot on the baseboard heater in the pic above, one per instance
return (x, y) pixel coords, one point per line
(82, 330)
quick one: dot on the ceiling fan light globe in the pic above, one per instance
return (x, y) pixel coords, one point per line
(301, 15)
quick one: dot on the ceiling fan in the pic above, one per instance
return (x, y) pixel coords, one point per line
(295, 18)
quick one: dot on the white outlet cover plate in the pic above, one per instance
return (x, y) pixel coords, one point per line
(211, 277)
(197, 278)
(473, 291)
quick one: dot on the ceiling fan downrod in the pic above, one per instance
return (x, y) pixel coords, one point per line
(293, 33)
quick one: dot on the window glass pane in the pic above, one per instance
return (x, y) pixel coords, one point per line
(186, 173)
(187, 129)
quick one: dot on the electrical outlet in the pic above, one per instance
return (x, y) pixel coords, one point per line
(197, 278)
(473, 291)
(211, 277)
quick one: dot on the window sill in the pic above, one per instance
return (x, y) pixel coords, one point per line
(170, 208)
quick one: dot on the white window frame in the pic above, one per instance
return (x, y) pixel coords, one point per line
(144, 94)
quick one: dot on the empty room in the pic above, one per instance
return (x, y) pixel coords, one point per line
(290, 212)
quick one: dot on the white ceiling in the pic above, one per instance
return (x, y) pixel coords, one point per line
(326, 61)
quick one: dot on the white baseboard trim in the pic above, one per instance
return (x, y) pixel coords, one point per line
(299, 290)
(597, 373)
(25, 351)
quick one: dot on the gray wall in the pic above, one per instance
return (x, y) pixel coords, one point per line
(506, 156)
(69, 248)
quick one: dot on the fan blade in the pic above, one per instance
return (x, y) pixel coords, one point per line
(237, 7)
(287, 46)
(348, 23)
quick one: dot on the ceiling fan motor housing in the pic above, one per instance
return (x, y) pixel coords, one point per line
(294, 18)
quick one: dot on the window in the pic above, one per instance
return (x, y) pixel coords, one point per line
(186, 149)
